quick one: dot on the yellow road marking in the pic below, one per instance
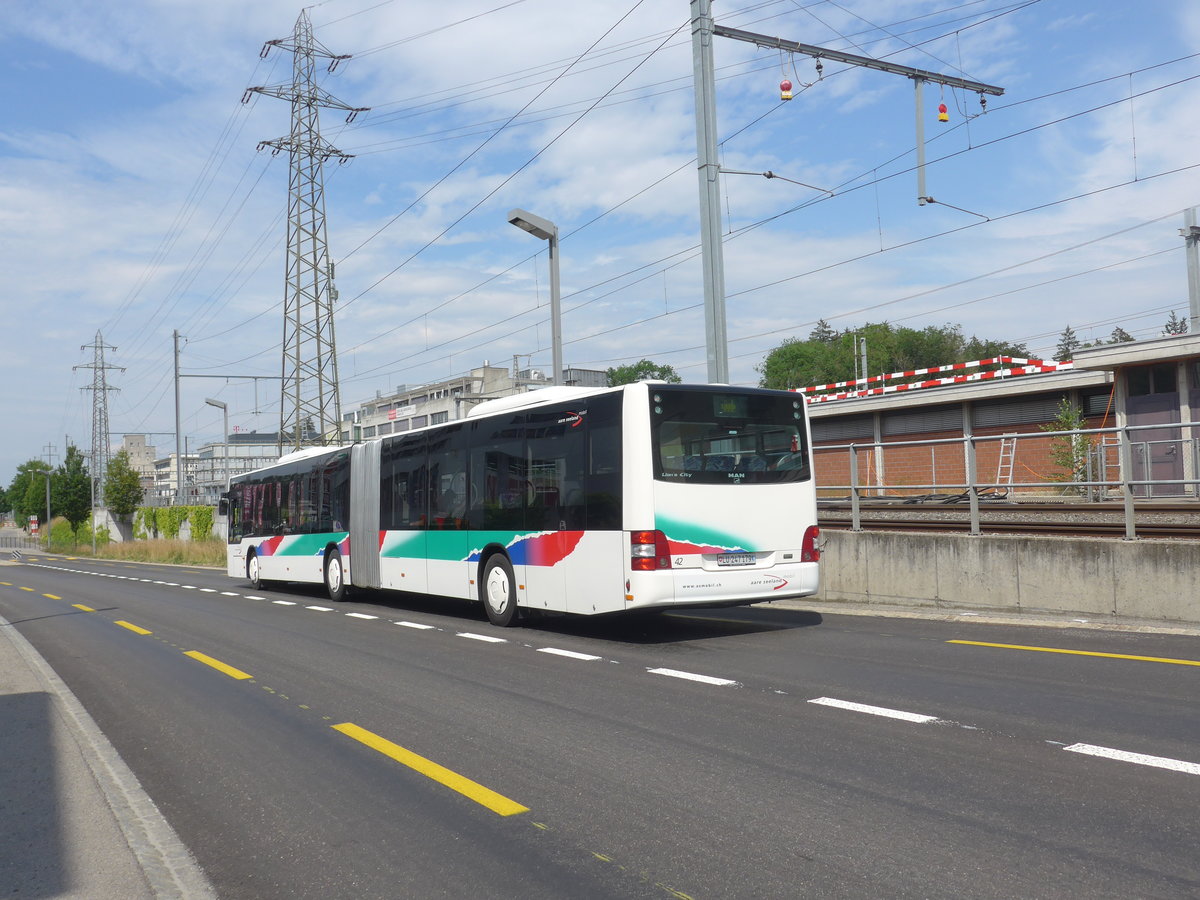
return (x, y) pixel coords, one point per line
(472, 790)
(218, 665)
(132, 627)
(6, 583)
(1157, 659)
(28, 589)
(52, 596)
(84, 608)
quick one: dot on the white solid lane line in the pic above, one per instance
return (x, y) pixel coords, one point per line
(1141, 759)
(874, 710)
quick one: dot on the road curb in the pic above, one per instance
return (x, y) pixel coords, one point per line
(169, 867)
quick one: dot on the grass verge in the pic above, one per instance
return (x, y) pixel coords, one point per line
(159, 550)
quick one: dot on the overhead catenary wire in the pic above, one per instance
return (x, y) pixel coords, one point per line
(733, 132)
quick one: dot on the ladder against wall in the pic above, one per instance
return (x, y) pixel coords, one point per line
(1004, 465)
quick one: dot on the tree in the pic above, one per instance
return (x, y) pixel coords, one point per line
(72, 488)
(1175, 325)
(822, 332)
(1068, 343)
(4, 505)
(122, 486)
(830, 357)
(27, 492)
(1069, 451)
(1120, 336)
(645, 370)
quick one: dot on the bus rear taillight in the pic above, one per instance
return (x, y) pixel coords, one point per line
(648, 551)
(810, 550)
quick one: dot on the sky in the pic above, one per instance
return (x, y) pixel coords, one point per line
(135, 201)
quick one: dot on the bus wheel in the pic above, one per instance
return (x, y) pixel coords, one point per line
(335, 576)
(254, 572)
(498, 590)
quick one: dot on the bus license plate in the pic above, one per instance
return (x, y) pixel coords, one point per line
(736, 559)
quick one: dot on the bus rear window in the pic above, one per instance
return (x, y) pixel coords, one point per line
(715, 436)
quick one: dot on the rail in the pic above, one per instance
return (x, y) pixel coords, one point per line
(1132, 462)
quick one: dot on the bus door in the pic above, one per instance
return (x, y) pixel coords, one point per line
(364, 515)
(447, 544)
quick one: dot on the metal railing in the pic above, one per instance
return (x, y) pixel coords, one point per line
(1129, 461)
(17, 541)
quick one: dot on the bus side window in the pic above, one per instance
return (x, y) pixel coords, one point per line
(497, 477)
(602, 482)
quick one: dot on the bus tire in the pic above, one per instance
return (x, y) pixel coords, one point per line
(254, 572)
(498, 591)
(335, 576)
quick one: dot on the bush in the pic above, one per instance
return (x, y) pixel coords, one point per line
(201, 519)
(165, 521)
(169, 519)
(145, 523)
(60, 535)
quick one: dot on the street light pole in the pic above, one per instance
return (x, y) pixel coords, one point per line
(546, 231)
(48, 536)
(224, 408)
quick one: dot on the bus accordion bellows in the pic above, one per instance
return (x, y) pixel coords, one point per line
(644, 496)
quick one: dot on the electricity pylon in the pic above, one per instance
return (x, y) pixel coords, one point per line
(99, 388)
(310, 409)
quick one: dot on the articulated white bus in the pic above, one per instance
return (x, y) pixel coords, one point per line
(645, 496)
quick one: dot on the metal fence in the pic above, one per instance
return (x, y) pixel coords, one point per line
(17, 542)
(1127, 463)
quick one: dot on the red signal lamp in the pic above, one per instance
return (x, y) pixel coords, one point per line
(943, 113)
(785, 90)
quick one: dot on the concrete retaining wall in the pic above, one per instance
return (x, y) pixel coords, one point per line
(1153, 580)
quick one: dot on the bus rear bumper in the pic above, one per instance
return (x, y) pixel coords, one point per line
(733, 587)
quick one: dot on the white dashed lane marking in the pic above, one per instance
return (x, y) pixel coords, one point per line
(1141, 759)
(692, 676)
(487, 638)
(875, 710)
(571, 654)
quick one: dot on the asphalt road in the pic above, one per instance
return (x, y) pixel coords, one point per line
(399, 747)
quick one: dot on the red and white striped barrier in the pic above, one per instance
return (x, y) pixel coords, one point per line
(1022, 367)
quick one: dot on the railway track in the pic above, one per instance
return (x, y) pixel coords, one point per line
(1157, 519)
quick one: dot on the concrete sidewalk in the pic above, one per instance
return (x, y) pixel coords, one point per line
(74, 822)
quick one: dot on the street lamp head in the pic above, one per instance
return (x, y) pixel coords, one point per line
(217, 403)
(535, 225)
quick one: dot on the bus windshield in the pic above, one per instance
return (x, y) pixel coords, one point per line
(728, 436)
